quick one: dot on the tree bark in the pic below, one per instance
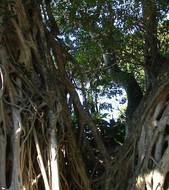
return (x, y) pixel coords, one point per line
(54, 154)
(142, 163)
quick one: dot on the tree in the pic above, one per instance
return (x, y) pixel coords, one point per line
(34, 113)
(146, 147)
(49, 139)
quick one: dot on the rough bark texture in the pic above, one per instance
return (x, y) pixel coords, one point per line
(33, 105)
(142, 162)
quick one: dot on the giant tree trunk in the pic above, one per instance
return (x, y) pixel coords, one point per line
(143, 161)
(36, 137)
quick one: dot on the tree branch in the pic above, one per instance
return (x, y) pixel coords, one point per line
(150, 30)
(127, 81)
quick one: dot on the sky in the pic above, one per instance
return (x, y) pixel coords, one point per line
(116, 109)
